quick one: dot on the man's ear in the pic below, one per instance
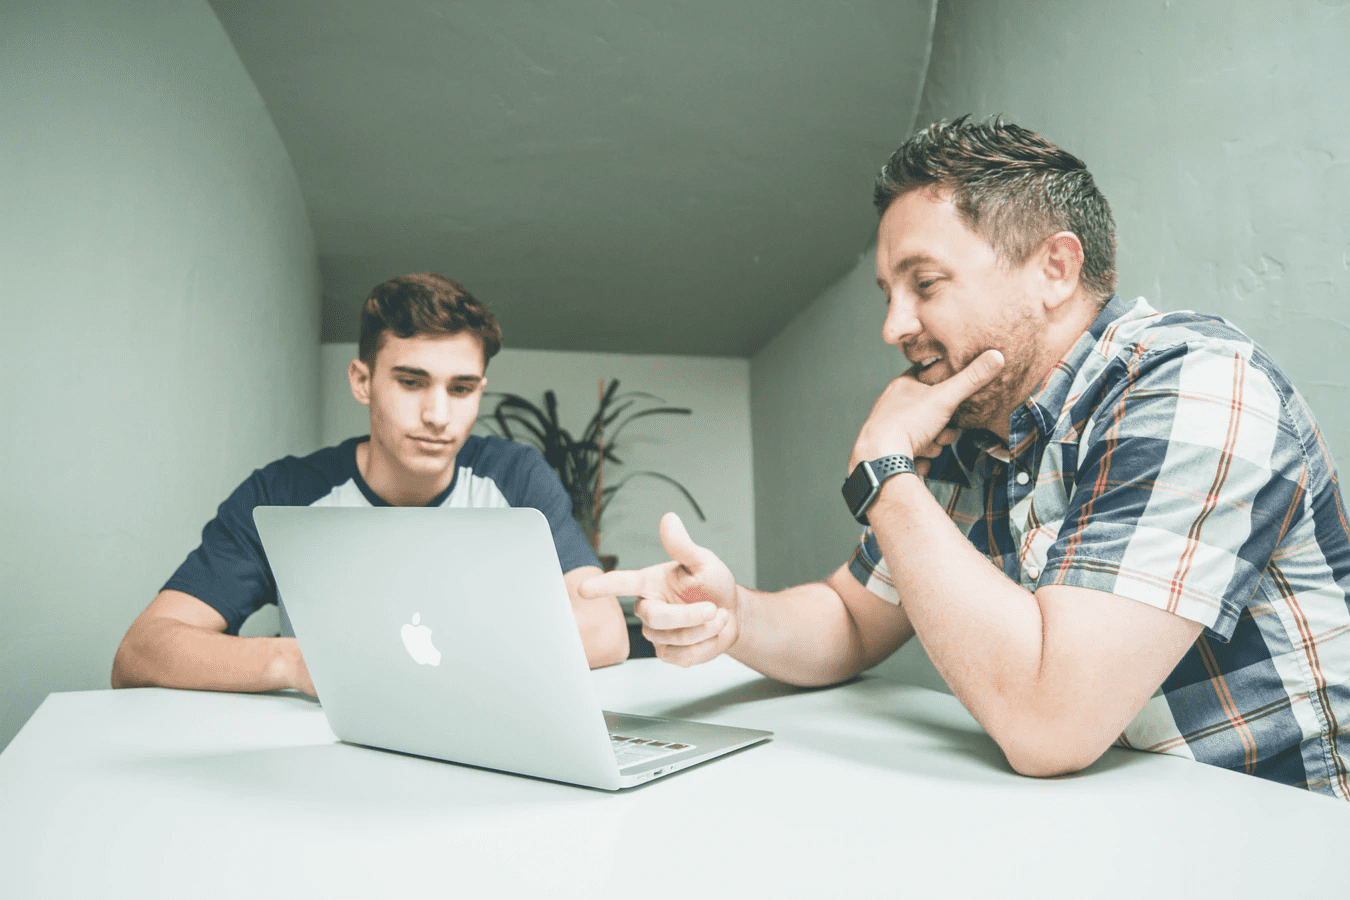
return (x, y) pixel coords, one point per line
(358, 376)
(1060, 262)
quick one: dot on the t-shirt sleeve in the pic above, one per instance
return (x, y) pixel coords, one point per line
(229, 571)
(1185, 476)
(541, 489)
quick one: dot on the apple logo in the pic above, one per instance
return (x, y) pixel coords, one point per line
(417, 638)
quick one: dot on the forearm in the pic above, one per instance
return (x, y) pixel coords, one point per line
(984, 633)
(1054, 676)
(803, 635)
(604, 632)
(168, 653)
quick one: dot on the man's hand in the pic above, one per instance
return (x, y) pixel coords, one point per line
(914, 418)
(298, 677)
(688, 606)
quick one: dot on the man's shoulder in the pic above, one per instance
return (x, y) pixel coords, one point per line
(518, 470)
(1144, 330)
(1190, 377)
(1144, 347)
(486, 452)
(301, 480)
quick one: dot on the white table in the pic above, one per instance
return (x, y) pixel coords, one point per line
(873, 788)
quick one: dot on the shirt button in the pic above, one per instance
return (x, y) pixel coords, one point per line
(1033, 572)
(1023, 477)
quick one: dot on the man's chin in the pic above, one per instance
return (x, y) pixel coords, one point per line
(428, 464)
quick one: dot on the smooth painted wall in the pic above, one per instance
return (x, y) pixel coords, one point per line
(1218, 133)
(160, 300)
(709, 451)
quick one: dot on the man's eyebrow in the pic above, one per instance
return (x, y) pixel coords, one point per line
(913, 261)
(423, 373)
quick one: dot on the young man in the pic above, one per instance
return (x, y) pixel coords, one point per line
(1104, 523)
(425, 345)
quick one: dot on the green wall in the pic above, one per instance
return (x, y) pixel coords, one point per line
(1217, 131)
(160, 301)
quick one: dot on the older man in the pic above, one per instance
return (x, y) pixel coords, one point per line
(1104, 523)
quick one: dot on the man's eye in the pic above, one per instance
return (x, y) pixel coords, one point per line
(407, 383)
(924, 284)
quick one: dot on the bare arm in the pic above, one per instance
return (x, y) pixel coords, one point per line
(604, 633)
(180, 642)
(1055, 676)
(692, 611)
(820, 633)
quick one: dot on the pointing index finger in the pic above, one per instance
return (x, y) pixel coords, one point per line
(621, 583)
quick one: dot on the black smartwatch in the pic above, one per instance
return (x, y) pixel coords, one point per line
(862, 487)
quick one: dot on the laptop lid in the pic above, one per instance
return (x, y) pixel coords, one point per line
(448, 633)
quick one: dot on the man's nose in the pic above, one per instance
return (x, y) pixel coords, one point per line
(436, 409)
(901, 321)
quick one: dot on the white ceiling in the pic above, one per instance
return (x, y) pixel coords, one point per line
(607, 175)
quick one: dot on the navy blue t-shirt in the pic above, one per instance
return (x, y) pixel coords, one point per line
(229, 571)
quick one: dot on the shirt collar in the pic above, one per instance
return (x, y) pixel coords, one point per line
(1048, 401)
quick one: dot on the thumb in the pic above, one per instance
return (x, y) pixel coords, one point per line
(982, 370)
(681, 547)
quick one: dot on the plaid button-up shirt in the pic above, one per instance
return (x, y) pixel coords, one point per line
(1166, 458)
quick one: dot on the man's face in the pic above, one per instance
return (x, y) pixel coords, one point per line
(423, 396)
(950, 299)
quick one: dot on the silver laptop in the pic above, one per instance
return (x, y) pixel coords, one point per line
(448, 633)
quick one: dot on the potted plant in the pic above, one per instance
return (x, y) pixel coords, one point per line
(580, 461)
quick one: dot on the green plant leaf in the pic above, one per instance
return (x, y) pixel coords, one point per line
(609, 492)
(657, 411)
(579, 463)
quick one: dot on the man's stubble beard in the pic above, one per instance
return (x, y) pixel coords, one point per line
(990, 406)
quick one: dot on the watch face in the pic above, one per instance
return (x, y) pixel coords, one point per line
(858, 490)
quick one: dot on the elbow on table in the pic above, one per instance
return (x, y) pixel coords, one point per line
(124, 666)
(608, 648)
(614, 657)
(1040, 760)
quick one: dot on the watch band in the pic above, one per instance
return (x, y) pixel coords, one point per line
(886, 466)
(864, 484)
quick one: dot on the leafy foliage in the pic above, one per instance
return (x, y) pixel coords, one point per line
(580, 462)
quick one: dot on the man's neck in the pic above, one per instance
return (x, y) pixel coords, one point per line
(395, 487)
(1060, 336)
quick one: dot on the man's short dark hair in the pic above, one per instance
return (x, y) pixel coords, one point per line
(1010, 186)
(426, 303)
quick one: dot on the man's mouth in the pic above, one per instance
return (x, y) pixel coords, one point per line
(925, 365)
(430, 442)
